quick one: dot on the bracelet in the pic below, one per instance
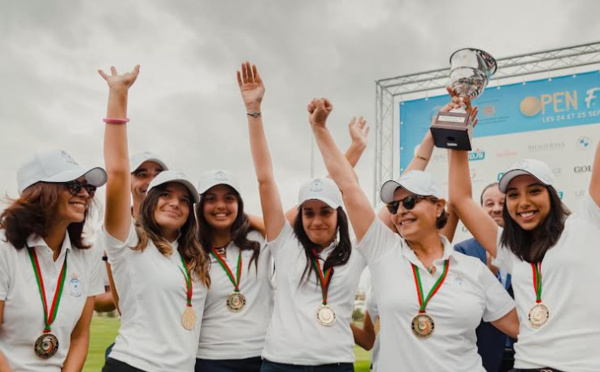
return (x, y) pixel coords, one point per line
(254, 114)
(115, 121)
(421, 157)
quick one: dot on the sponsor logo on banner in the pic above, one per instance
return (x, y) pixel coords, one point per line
(579, 194)
(546, 146)
(591, 98)
(439, 157)
(584, 143)
(557, 172)
(506, 153)
(500, 175)
(582, 169)
(476, 155)
(549, 103)
(473, 173)
(489, 110)
(560, 194)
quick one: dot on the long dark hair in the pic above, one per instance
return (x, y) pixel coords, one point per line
(188, 245)
(239, 229)
(531, 246)
(33, 213)
(338, 257)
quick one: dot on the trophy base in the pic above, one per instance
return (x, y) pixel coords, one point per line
(452, 130)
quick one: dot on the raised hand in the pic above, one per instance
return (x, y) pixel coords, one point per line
(318, 111)
(251, 86)
(359, 132)
(120, 82)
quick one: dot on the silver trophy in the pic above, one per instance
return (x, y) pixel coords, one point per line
(470, 72)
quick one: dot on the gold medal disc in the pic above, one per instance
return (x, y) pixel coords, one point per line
(325, 316)
(46, 345)
(188, 318)
(423, 325)
(377, 325)
(538, 315)
(236, 302)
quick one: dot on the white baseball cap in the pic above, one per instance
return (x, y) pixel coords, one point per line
(56, 166)
(138, 159)
(532, 167)
(416, 181)
(175, 176)
(217, 177)
(323, 189)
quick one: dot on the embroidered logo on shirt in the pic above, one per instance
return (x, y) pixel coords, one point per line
(75, 286)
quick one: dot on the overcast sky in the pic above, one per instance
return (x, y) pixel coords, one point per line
(186, 105)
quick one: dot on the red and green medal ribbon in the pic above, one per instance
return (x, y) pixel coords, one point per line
(188, 281)
(51, 316)
(423, 302)
(324, 279)
(234, 280)
(537, 281)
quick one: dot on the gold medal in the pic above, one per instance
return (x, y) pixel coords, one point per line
(236, 302)
(377, 325)
(188, 318)
(46, 345)
(538, 315)
(325, 316)
(423, 325)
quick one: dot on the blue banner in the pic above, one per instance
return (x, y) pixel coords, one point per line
(559, 102)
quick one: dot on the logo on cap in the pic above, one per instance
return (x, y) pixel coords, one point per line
(221, 176)
(316, 186)
(521, 164)
(68, 158)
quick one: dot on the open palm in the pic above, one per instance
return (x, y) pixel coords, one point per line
(251, 85)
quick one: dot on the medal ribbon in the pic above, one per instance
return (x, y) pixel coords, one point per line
(48, 318)
(234, 280)
(323, 279)
(537, 281)
(434, 289)
(188, 281)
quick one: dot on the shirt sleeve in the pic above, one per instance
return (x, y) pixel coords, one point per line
(505, 258)
(5, 273)
(498, 302)
(276, 244)
(378, 241)
(96, 267)
(589, 210)
(115, 249)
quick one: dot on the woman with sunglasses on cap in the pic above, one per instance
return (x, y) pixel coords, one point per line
(430, 298)
(552, 256)
(49, 275)
(240, 300)
(158, 265)
(317, 273)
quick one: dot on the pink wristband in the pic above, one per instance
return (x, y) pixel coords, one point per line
(115, 121)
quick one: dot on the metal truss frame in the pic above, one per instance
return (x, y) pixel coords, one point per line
(390, 91)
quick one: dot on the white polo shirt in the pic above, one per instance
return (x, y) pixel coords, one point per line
(23, 319)
(570, 340)
(469, 293)
(229, 335)
(294, 335)
(152, 297)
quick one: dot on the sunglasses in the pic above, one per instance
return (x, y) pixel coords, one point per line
(408, 203)
(75, 187)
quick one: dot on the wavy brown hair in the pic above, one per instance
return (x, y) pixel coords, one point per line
(33, 213)
(188, 245)
(239, 230)
(531, 246)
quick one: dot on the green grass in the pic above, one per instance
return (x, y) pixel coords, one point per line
(104, 331)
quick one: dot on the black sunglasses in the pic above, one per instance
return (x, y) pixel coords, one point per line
(409, 203)
(74, 188)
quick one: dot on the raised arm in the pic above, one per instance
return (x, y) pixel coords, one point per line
(253, 91)
(479, 223)
(359, 134)
(595, 180)
(357, 204)
(117, 218)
